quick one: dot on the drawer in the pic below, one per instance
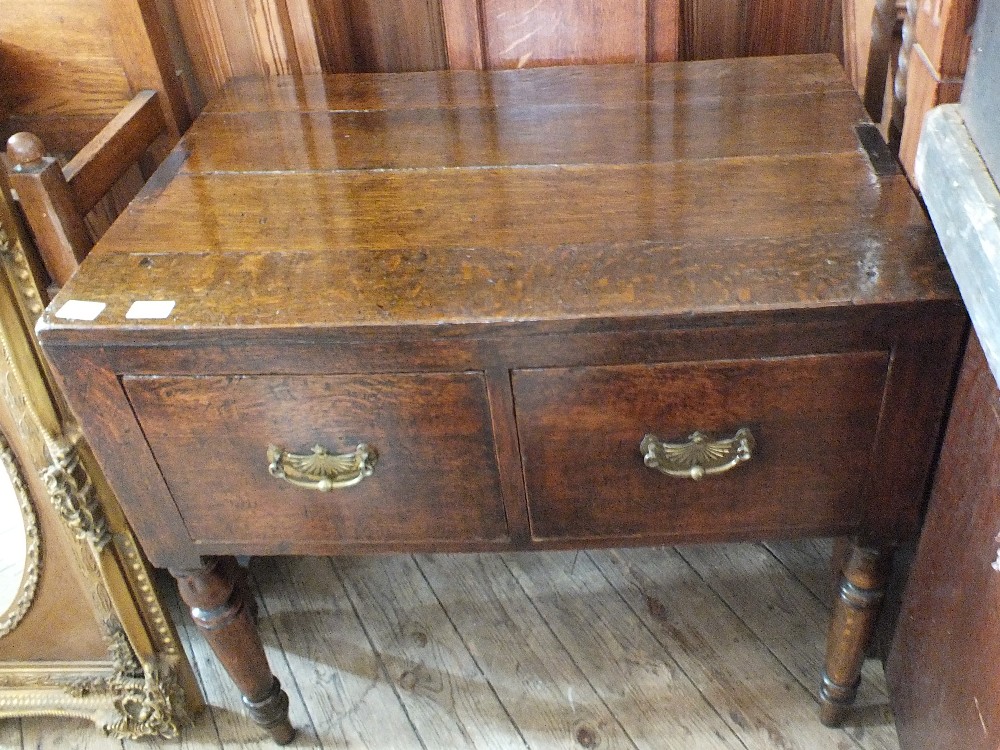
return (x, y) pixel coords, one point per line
(813, 420)
(435, 476)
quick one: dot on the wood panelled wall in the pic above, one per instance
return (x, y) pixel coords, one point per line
(60, 72)
(232, 38)
(68, 66)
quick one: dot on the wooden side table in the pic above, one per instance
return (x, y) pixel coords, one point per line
(550, 308)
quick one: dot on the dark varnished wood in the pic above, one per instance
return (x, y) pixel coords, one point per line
(492, 136)
(522, 33)
(591, 84)
(813, 419)
(942, 665)
(99, 165)
(435, 478)
(228, 40)
(221, 608)
(546, 283)
(501, 272)
(56, 200)
(774, 197)
(49, 206)
(855, 610)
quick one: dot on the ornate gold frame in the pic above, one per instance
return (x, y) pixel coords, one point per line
(146, 686)
(33, 552)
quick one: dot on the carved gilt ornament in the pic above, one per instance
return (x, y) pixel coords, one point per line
(28, 584)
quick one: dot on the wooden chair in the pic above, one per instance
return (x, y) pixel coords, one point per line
(56, 200)
(888, 60)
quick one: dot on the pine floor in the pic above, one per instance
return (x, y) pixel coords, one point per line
(690, 648)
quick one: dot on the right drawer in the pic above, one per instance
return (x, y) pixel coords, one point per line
(813, 421)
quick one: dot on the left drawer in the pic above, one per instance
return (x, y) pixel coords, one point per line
(435, 477)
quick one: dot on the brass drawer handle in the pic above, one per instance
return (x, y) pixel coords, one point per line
(699, 456)
(322, 470)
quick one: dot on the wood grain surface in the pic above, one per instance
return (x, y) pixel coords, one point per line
(435, 476)
(445, 676)
(939, 665)
(813, 420)
(435, 214)
(590, 84)
(502, 301)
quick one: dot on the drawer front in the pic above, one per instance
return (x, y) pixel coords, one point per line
(813, 420)
(435, 476)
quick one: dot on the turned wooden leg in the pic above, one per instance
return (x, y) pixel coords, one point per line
(221, 608)
(854, 614)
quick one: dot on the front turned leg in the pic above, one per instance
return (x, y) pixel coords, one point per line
(862, 588)
(221, 610)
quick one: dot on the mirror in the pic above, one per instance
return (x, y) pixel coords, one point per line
(19, 545)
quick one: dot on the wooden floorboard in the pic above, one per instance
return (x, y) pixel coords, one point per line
(809, 561)
(446, 695)
(50, 733)
(694, 648)
(339, 676)
(543, 690)
(763, 704)
(790, 622)
(636, 677)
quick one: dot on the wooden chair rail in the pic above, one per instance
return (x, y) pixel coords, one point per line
(55, 200)
(96, 168)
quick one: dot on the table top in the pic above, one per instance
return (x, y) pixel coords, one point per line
(580, 194)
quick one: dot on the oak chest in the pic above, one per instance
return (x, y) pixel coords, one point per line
(557, 307)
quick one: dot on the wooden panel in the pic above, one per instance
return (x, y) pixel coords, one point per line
(724, 28)
(68, 67)
(57, 58)
(513, 135)
(936, 66)
(520, 33)
(463, 34)
(942, 664)
(199, 22)
(233, 38)
(605, 85)
(779, 27)
(332, 28)
(942, 30)
(228, 38)
(141, 48)
(924, 91)
(857, 33)
(713, 29)
(395, 35)
(813, 419)
(436, 475)
(524, 33)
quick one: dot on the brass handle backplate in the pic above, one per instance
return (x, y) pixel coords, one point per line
(320, 469)
(700, 456)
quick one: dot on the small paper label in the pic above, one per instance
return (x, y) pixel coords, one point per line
(78, 309)
(145, 308)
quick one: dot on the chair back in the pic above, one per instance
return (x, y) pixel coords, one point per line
(56, 200)
(888, 60)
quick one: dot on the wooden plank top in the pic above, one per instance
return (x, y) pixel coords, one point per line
(595, 193)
